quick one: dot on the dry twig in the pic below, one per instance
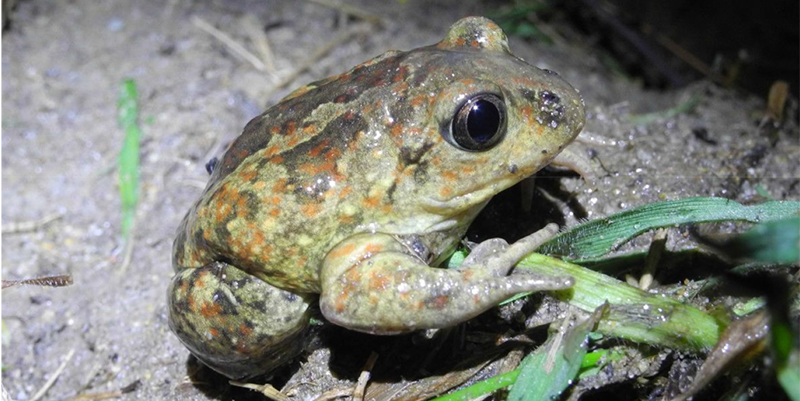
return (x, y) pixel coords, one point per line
(318, 54)
(49, 383)
(266, 389)
(260, 40)
(228, 41)
(363, 378)
(33, 225)
(46, 281)
(349, 10)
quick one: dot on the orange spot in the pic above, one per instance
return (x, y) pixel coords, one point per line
(373, 300)
(280, 186)
(275, 212)
(345, 191)
(399, 76)
(210, 310)
(308, 168)
(214, 332)
(339, 302)
(372, 201)
(310, 210)
(342, 251)
(265, 254)
(327, 167)
(344, 219)
(293, 141)
(258, 237)
(332, 155)
(377, 281)
(439, 302)
(277, 159)
(259, 185)
(445, 191)
(310, 129)
(319, 148)
(372, 249)
(527, 112)
(397, 130)
(291, 127)
(199, 282)
(449, 175)
(242, 153)
(247, 175)
(245, 331)
(302, 261)
(271, 151)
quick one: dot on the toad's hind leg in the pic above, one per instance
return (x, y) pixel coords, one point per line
(236, 323)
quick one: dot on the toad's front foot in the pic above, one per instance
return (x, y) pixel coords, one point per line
(372, 283)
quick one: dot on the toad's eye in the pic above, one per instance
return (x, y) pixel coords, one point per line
(480, 123)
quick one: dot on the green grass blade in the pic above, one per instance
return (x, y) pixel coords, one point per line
(599, 237)
(547, 372)
(482, 387)
(685, 107)
(128, 114)
(775, 241)
(789, 377)
(634, 314)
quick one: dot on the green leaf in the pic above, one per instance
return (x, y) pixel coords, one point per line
(599, 237)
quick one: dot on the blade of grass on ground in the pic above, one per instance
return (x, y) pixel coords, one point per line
(775, 241)
(548, 371)
(634, 314)
(128, 114)
(599, 237)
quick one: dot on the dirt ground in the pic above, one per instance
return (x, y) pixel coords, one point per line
(62, 65)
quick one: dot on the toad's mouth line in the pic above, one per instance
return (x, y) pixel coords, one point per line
(479, 192)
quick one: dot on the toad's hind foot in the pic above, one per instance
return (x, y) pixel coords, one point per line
(236, 323)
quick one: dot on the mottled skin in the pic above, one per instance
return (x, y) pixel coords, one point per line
(349, 189)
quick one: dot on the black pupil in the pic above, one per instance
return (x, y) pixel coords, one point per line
(483, 121)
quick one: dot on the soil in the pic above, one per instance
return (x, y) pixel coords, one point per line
(62, 66)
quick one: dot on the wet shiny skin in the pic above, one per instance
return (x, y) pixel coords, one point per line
(348, 190)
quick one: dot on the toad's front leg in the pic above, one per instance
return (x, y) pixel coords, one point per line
(371, 283)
